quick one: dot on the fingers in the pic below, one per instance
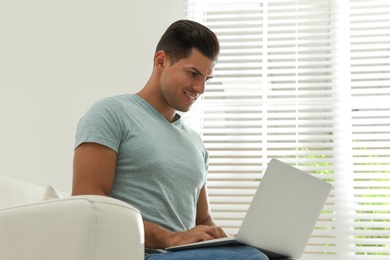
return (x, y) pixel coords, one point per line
(196, 234)
(217, 232)
(210, 232)
(222, 232)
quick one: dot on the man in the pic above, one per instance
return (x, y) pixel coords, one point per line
(137, 149)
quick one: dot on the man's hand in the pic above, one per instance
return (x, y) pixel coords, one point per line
(197, 234)
(158, 237)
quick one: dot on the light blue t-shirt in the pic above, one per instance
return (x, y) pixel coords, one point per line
(161, 166)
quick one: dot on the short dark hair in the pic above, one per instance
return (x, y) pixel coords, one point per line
(184, 35)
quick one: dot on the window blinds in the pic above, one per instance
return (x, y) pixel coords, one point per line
(307, 82)
(370, 116)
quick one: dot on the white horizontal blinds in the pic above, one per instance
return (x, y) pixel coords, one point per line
(232, 111)
(299, 99)
(370, 89)
(306, 82)
(271, 97)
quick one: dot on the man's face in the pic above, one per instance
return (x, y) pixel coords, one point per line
(184, 81)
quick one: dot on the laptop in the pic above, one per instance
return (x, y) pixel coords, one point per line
(282, 215)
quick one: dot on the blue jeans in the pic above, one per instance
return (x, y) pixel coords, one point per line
(212, 253)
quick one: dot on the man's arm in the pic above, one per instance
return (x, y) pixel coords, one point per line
(203, 215)
(93, 169)
(93, 173)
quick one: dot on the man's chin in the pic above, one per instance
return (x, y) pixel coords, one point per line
(184, 109)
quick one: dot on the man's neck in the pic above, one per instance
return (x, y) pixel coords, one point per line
(153, 99)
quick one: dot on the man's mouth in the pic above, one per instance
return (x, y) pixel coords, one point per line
(192, 96)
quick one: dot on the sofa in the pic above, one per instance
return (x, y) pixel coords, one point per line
(40, 223)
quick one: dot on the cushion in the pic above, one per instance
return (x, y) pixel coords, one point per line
(51, 193)
(15, 193)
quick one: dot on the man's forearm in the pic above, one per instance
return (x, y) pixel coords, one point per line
(156, 236)
(160, 237)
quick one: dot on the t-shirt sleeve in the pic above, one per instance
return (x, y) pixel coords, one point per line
(101, 124)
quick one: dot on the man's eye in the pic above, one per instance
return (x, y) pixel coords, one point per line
(193, 74)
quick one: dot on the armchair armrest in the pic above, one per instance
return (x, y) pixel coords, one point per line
(76, 228)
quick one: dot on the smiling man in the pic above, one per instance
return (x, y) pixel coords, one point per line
(136, 148)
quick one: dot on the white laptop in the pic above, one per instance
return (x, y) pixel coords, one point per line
(282, 215)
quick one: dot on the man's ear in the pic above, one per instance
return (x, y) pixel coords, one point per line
(161, 59)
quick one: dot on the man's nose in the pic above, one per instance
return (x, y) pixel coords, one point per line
(199, 87)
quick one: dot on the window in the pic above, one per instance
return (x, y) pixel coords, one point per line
(308, 82)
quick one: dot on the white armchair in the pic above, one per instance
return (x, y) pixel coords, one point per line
(71, 228)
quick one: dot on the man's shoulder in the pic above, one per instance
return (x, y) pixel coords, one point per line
(117, 99)
(114, 102)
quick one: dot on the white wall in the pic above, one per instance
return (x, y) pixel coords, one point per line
(56, 59)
